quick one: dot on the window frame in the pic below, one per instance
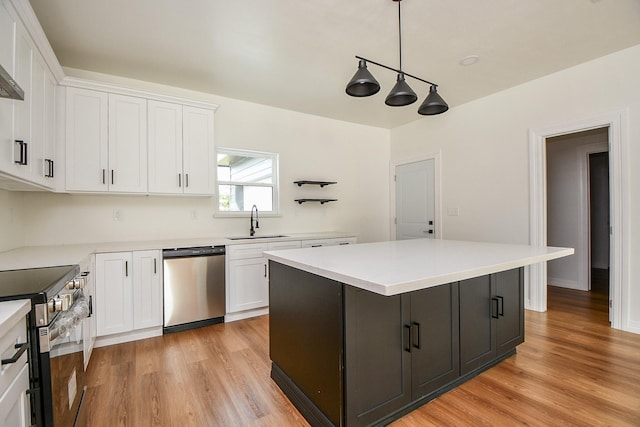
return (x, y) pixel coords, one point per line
(274, 185)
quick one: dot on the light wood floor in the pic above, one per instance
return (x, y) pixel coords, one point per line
(573, 369)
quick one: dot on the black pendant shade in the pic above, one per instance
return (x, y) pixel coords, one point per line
(434, 104)
(401, 94)
(362, 83)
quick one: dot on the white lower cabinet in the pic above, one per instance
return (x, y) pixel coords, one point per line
(248, 275)
(14, 373)
(328, 242)
(128, 291)
(14, 403)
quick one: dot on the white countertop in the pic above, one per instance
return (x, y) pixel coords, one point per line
(12, 311)
(49, 256)
(395, 267)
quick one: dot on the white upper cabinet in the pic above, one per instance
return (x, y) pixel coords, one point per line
(25, 130)
(7, 60)
(87, 159)
(180, 149)
(165, 148)
(106, 142)
(198, 157)
(127, 144)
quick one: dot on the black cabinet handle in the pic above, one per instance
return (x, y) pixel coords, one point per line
(406, 338)
(415, 327)
(112, 176)
(22, 161)
(500, 306)
(90, 305)
(186, 180)
(265, 270)
(179, 180)
(49, 172)
(13, 359)
(104, 179)
(494, 306)
(155, 267)
(126, 269)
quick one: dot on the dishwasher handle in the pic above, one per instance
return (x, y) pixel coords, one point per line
(195, 251)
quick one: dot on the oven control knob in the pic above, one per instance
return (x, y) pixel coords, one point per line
(54, 305)
(80, 282)
(67, 301)
(70, 285)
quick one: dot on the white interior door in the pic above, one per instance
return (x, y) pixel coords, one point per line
(415, 200)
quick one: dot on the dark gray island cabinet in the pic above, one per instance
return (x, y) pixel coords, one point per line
(346, 356)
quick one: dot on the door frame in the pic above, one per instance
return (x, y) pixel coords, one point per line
(437, 193)
(536, 286)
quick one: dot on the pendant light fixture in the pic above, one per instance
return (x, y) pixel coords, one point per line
(364, 84)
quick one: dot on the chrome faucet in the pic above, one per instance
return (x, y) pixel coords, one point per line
(252, 231)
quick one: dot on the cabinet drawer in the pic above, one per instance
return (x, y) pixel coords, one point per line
(315, 243)
(17, 334)
(14, 403)
(251, 250)
(273, 246)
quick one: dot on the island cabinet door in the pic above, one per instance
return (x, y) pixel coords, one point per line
(434, 338)
(377, 370)
(491, 317)
(477, 330)
(509, 291)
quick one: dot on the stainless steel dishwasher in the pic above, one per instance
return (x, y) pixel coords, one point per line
(194, 287)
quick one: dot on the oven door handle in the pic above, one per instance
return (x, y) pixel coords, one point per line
(21, 349)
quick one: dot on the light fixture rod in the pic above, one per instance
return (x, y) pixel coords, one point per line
(400, 32)
(397, 71)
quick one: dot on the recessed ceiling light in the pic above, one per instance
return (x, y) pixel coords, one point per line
(469, 60)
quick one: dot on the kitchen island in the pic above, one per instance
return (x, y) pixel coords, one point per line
(363, 334)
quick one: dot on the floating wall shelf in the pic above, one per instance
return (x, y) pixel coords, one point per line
(322, 201)
(320, 183)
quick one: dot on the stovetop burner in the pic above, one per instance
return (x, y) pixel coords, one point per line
(37, 284)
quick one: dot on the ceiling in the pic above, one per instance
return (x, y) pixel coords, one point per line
(299, 55)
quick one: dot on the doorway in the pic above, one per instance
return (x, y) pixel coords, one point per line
(578, 209)
(535, 282)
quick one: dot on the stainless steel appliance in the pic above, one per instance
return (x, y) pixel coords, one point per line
(56, 363)
(194, 287)
(9, 88)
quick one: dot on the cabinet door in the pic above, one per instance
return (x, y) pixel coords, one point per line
(127, 144)
(509, 290)
(38, 93)
(114, 293)
(147, 289)
(197, 148)
(434, 338)
(248, 284)
(165, 148)
(377, 355)
(477, 339)
(49, 166)
(14, 404)
(22, 111)
(86, 140)
(7, 46)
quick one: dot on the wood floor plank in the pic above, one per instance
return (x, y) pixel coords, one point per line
(572, 370)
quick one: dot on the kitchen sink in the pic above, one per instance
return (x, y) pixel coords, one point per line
(275, 236)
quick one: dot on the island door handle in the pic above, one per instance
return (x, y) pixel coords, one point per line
(407, 338)
(415, 326)
(500, 306)
(495, 306)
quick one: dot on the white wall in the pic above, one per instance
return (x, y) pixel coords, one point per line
(11, 225)
(310, 147)
(564, 206)
(485, 161)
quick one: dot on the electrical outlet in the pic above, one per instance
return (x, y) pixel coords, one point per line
(453, 211)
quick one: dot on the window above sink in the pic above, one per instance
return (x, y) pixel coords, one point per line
(245, 178)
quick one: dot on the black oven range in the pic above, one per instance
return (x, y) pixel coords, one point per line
(56, 366)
